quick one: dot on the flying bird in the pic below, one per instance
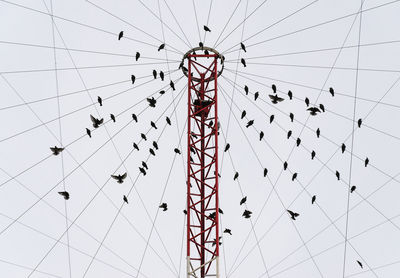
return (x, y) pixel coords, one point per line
(155, 74)
(243, 114)
(125, 199)
(227, 231)
(353, 188)
(176, 150)
(56, 150)
(294, 176)
(153, 125)
(120, 35)
(236, 176)
(359, 122)
(134, 117)
(96, 122)
(206, 28)
(275, 99)
(343, 148)
(168, 120)
(135, 146)
(366, 162)
(250, 123)
(133, 78)
(137, 56)
(143, 136)
(332, 91)
(313, 199)
(243, 200)
(227, 147)
(290, 95)
(152, 102)
(112, 117)
(291, 115)
(314, 111)
(155, 145)
(261, 135)
(161, 46)
(247, 214)
(100, 101)
(337, 175)
(243, 61)
(88, 132)
(172, 85)
(163, 206)
(120, 178)
(151, 151)
(65, 194)
(271, 118)
(293, 215)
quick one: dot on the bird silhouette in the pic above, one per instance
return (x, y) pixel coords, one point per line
(353, 188)
(250, 123)
(247, 214)
(243, 47)
(163, 206)
(298, 141)
(318, 131)
(155, 74)
(314, 111)
(294, 176)
(265, 172)
(192, 150)
(88, 132)
(206, 28)
(120, 35)
(100, 101)
(227, 231)
(332, 91)
(96, 122)
(144, 164)
(293, 215)
(151, 151)
(290, 95)
(307, 101)
(162, 92)
(246, 89)
(206, 52)
(322, 107)
(143, 136)
(243, 61)
(243, 200)
(185, 211)
(312, 154)
(275, 99)
(291, 115)
(137, 56)
(215, 241)
(143, 171)
(161, 46)
(155, 145)
(337, 175)
(289, 134)
(120, 178)
(176, 150)
(343, 148)
(212, 215)
(112, 117)
(172, 85)
(285, 165)
(56, 150)
(168, 120)
(256, 95)
(125, 199)
(236, 176)
(359, 122)
(134, 117)
(201, 45)
(261, 135)
(135, 146)
(133, 78)
(153, 125)
(227, 147)
(152, 101)
(366, 161)
(243, 114)
(360, 264)
(271, 118)
(220, 211)
(162, 75)
(313, 199)
(65, 194)
(273, 88)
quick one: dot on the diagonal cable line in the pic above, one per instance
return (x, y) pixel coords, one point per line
(197, 20)
(208, 20)
(226, 24)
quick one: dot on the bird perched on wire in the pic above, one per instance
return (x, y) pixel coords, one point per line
(152, 152)
(353, 188)
(243, 61)
(236, 176)
(291, 116)
(153, 125)
(100, 101)
(261, 135)
(294, 176)
(313, 199)
(135, 146)
(125, 199)
(227, 231)
(247, 214)
(366, 161)
(275, 99)
(172, 85)
(314, 111)
(206, 28)
(298, 141)
(112, 117)
(322, 107)
(162, 92)
(161, 46)
(143, 136)
(360, 264)
(152, 101)
(312, 154)
(332, 91)
(289, 133)
(271, 118)
(120, 35)
(290, 95)
(359, 122)
(163, 206)
(120, 178)
(133, 78)
(246, 89)
(56, 150)
(243, 47)
(318, 132)
(137, 56)
(227, 147)
(88, 132)
(256, 95)
(293, 215)
(155, 145)
(243, 200)
(337, 175)
(285, 165)
(243, 114)
(307, 101)
(65, 194)
(343, 148)
(162, 75)
(176, 150)
(134, 117)
(96, 122)
(144, 164)
(249, 123)
(142, 170)
(212, 215)
(155, 74)
(265, 172)
(273, 86)
(168, 120)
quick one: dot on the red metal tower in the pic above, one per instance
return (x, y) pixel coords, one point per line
(202, 163)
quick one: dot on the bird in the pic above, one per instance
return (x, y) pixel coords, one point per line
(168, 120)
(176, 150)
(285, 165)
(250, 123)
(256, 95)
(112, 117)
(289, 134)
(96, 122)
(143, 171)
(298, 141)
(227, 231)
(153, 124)
(314, 111)
(144, 164)
(360, 264)
(155, 74)
(125, 199)
(353, 188)
(291, 115)
(265, 172)
(185, 211)
(243, 114)
(155, 145)
(201, 45)
(290, 95)
(100, 101)
(65, 194)
(318, 132)
(294, 176)
(236, 176)
(246, 89)
(322, 107)
(143, 136)
(137, 56)
(133, 78)
(243, 200)
(271, 118)
(152, 102)
(212, 215)
(56, 150)
(261, 135)
(247, 214)
(313, 199)
(275, 99)
(215, 241)
(193, 135)
(120, 35)
(343, 148)
(359, 122)
(227, 147)
(312, 154)
(337, 174)
(192, 150)
(151, 151)
(172, 85)
(366, 161)
(135, 146)
(161, 46)
(273, 88)
(120, 178)
(163, 206)
(243, 61)
(307, 101)
(293, 215)
(88, 132)
(332, 91)
(206, 28)
(206, 52)
(134, 117)
(243, 47)
(220, 211)
(162, 75)
(162, 92)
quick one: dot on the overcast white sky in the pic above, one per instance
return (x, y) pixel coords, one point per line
(282, 39)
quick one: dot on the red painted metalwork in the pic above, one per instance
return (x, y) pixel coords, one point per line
(202, 151)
